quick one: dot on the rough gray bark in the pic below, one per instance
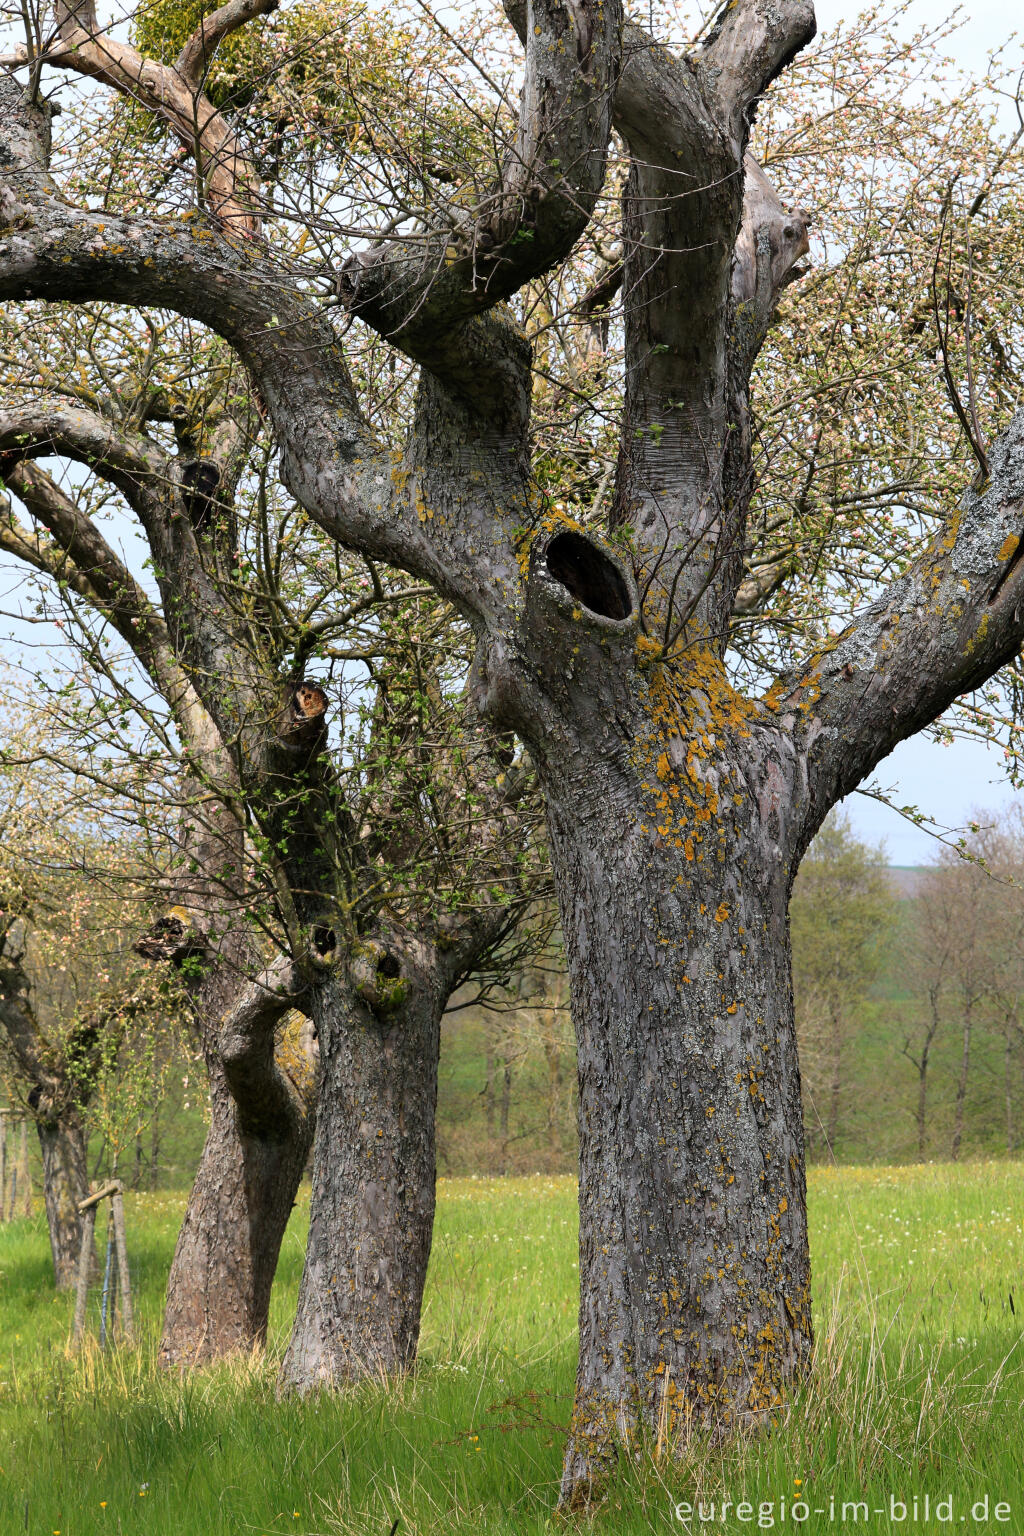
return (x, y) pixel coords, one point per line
(694, 1270)
(218, 1292)
(372, 1201)
(262, 1098)
(65, 1182)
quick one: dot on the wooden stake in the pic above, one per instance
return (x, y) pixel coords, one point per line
(124, 1283)
(84, 1266)
(26, 1177)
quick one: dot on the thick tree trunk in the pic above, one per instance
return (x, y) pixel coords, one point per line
(694, 1267)
(65, 1182)
(218, 1293)
(372, 1203)
(262, 1084)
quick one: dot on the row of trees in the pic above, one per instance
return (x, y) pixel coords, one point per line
(908, 999)
(317, 304)
(86, 1032)
(908, 988)
(908, 991)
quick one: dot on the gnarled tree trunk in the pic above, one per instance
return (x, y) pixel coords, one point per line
(694, 1266)
(262, 1082)
(218, 1291)
(372, 1202)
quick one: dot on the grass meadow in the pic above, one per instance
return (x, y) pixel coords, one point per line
(918, 1388)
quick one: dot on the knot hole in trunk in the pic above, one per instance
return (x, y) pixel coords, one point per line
(588, 575)
(375, 972)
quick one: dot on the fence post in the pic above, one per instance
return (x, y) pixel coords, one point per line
(23, 1159)
(124, 1283)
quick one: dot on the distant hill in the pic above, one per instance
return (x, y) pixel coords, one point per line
(905, 879)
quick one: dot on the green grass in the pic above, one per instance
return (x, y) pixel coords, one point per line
(918, 1388)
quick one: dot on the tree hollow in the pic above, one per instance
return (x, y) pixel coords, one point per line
(589, 575)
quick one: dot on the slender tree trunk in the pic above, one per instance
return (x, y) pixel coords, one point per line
(1011, 1136)
(694, 1267)
(961, 1087)
(553, 1056)
(218, 1293)
(372, 1202)
(65, 1182)
(922, 1074)
(490, 1065)
(154, 1148)
(835, 1083)
(505, 1103)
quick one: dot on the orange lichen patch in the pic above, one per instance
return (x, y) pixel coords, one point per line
(554, 517)
(423, 512)
(292, 1054)
(978, 638)
(950, 532)
(1009, 546)
(692, 710)
(399, 474)
(722, 913)
(648, 650)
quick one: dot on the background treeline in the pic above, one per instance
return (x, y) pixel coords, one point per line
(909, 991)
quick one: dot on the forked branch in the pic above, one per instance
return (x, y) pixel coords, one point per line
(173, 92)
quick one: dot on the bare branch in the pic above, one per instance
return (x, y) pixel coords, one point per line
(85, 561)
(413, 292)
(940, 630)
(173, 93)
(194, 59)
